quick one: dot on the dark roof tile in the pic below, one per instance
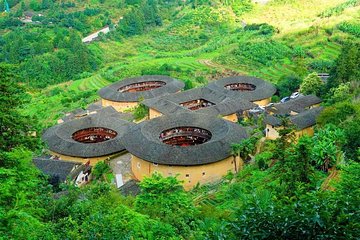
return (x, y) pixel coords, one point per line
(111, 92)
(59, 137)
(143, 140)
(170, 104)
(56, 168)
(263, 88)
(302, 120)
(297, 105)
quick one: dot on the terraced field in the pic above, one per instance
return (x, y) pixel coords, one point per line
(144, 55)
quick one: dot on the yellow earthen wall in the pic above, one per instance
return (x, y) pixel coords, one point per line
(272, 133)
(306, 131)
(232, 117)
(93, 161)
(191, 175)
(263, 102)
(153, 113)
(119, 106)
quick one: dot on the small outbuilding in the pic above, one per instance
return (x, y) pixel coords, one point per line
(129, 92)
(60, 171)
(252, 89)
(303, 122)
(194, 147)
(295, 106)
(199, 100)
(89, 139)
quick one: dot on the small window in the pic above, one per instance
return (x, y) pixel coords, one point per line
(155, 164)
(187, 175)
(138, 165)
(203, 173)
(268, 130)
(170, 174)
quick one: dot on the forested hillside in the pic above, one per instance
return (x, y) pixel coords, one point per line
(305, 189)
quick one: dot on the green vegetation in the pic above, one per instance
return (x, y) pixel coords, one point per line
(312, 84)
(287, 190)
(339, 8)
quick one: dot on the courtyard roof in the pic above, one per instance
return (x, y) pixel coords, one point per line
(59, 137)
(223, 105)
(143, 140)
(263, 89)
(112, 92)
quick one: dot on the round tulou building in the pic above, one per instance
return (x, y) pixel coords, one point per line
(89, 139)
(127, 93)
(194, 147)
(252, 89)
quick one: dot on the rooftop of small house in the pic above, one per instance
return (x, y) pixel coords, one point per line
(297, 105)
(301, 121)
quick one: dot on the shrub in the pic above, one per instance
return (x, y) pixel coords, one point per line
(264, 52)
(100, 169)
(288, 84)
(262, 159)
(321, 65)
(353, 29)
(263, 28)
(339, 8)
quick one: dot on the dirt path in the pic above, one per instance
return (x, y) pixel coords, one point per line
(221, 71)
(333, 175)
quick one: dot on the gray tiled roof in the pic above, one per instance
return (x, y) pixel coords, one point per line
(297, 105)
(111, 92)
(55, 168)
(170, 104)
(59, 137)
(131, 187)
(143, 141)
(302, 120)
(263, 89)
(307, 118)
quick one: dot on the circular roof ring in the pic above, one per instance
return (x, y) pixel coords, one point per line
(138, 88)
(244, 87)
(183, 139)
(93, 136)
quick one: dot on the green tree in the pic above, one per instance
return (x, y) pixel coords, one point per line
(245, 147)
(132, 23)
(352, 132)
(141, 111)
(327, 146)
(100, 169)
(336, 114)
(341, 92)
(165, 199)
(15, 129)
(347, 65)
(312, 84)
(296, 167)
(287, 85)
(23, 198)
